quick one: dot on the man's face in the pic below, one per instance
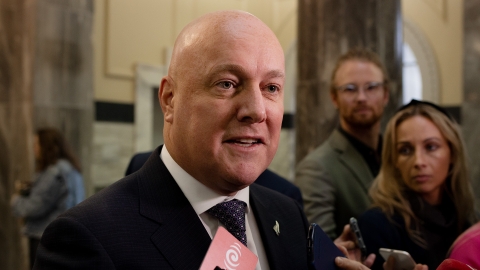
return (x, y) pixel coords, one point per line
(363, 108)
(228, 109)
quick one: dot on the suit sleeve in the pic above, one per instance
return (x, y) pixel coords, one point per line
(318, 194)
(67, 244)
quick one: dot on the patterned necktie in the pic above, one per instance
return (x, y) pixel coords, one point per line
(232, 215)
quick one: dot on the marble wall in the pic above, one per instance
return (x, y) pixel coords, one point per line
(17, 33)
(63, 82)
(113, 147)
(45, 80)
(326, 30)
(471, 90)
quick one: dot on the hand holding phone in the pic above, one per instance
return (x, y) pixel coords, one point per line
(358, 237)
(403, 260)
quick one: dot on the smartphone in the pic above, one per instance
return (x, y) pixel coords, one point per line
(403, 260)
(321, 250)
(358, 237)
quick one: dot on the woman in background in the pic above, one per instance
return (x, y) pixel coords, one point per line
(422, 197)
(57, 186)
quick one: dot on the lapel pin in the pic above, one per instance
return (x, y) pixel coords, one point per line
(276, 228)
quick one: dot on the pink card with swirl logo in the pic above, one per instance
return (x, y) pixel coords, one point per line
(226, 252)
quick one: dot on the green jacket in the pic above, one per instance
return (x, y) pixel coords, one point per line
(334, 180)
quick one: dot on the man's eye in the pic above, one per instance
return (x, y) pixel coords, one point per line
(225, 85)
(350, 88)
(273, 88)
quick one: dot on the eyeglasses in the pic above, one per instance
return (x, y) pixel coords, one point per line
(351, 90)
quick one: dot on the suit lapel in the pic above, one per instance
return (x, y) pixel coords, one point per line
(272, 242)
(180, 228)
(352, 159)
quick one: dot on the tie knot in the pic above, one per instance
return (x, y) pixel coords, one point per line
(232, 215)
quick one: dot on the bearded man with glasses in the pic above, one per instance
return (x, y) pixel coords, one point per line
(335, 177)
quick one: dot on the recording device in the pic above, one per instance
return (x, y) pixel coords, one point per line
(403, 260)
(321, 250)
(358, 237)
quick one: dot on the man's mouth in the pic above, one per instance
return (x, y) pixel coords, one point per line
(245, 142)
(362, 109)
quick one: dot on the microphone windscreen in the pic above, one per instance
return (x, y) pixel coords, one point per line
(451, 264)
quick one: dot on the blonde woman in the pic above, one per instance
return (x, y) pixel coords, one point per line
(422, 198)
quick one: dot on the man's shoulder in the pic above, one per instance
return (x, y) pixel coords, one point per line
(256, 188)
(137, 162)
(117, 206)
(272, 198)
(326, 152)
(118, 195)
(274, 181)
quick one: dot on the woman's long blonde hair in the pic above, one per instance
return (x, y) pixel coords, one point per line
(388, 190)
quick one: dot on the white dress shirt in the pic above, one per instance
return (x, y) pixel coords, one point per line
(203, 198)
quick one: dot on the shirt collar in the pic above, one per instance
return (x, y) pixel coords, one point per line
(200, 196)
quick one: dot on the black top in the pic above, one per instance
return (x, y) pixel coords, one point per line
(372, 157)
(438, 226)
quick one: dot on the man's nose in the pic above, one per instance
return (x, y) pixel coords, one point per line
(251, 107)
(361, 94)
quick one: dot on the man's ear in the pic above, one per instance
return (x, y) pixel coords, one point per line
(386, 97)
(166, 98)
(334, 97)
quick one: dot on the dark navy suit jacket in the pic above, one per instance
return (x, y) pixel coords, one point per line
(144, 221)
(267, 179)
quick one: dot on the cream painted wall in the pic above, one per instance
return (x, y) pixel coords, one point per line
(442, 24)
(128, 32)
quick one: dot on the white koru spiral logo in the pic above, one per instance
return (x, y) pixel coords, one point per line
(232, 257)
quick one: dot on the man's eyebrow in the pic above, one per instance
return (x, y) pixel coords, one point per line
(240, 69)
(227, 67)
(276, 74)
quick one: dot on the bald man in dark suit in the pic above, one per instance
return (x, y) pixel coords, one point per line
(222, 101)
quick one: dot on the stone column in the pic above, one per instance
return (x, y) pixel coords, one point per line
(471, 90)
(63, 82)
(326, 30)
(17, 32)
